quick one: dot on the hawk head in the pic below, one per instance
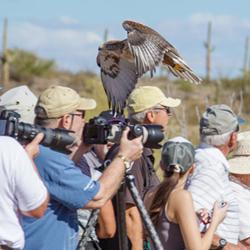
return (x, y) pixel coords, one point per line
(112, 45)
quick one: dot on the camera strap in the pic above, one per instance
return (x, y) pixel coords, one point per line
(148, 171)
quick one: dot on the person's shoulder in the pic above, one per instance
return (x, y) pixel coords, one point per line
(48, 158)
(181, 197)
(183, 194)
(180, 200)
(10, 147)
(9, 140)
(48, 152)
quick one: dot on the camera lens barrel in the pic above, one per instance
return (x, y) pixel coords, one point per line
(151, 134)
(55, 138)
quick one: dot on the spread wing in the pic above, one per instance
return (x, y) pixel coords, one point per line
(150, 49)
(147, 47)
(118, 73)
(178, 67)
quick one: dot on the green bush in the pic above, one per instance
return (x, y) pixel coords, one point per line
(25, 65)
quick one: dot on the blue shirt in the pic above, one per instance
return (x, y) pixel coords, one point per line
(69, 190)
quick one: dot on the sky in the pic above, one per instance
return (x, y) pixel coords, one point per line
(71, 31)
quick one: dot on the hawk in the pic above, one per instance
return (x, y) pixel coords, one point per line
(123, 62)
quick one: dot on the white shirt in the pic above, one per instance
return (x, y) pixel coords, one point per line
(20, 190)
(242, 194)
(210, 183)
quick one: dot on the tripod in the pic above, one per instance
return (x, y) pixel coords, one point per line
(143, 212)
(121, 222)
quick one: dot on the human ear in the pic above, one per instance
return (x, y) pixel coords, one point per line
(192, 168)
(233, 140)
(150, 116)
(66, 121)
(161, 165)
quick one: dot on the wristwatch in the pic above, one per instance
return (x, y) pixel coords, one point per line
(222, 244)
(125, 161)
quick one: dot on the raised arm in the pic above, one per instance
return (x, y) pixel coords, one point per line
(113, 175)
(186, 218)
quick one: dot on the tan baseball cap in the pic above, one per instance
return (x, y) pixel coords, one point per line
(145, 97)
(59, 100)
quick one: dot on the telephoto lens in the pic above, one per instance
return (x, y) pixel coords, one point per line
(152, 135)
(58, 139)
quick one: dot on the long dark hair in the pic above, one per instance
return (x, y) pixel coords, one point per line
(162, 194)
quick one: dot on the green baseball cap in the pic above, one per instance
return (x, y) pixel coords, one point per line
(59, 100)
(145, 97)
(218, 119)
(177, 155)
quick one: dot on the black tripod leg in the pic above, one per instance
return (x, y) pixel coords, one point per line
(121, 220)
(144, 214)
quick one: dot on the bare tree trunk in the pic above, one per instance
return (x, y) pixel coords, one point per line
(241, 104)
(182, 121)
(232, 99)
(198, 114)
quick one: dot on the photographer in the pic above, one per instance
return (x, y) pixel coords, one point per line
(146, 105)
(70, 189)
(21, 190)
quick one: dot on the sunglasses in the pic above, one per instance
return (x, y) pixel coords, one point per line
(166, 109)
(82, 114)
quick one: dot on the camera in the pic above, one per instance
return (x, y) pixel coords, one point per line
(57, 139)
(100, 130)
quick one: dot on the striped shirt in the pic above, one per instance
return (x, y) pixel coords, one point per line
(210, 183)
(242, 194)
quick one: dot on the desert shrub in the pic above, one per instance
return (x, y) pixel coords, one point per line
(25, 65)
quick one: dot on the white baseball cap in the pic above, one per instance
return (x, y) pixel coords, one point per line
(21, 100)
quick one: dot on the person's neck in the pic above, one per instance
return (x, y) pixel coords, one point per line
(224, 149)
(181, 184)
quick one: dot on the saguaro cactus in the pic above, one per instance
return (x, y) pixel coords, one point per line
(105, 35)
(209, 50)
(246, 61)
(5, 56)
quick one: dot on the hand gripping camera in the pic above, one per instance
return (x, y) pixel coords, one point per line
(57, 139)
(99, 130)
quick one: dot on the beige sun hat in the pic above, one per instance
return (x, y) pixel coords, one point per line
(145, 97)
(240, 163)
(21, 100)
(59, 100)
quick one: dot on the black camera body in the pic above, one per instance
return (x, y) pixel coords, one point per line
(57, 139)
(100, 131)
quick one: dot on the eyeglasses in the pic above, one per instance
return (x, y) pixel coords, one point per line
(166, 109)
(82, 114)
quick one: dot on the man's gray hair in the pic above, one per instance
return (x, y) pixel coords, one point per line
(138, 117)
(47, 123)
(216, 140)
